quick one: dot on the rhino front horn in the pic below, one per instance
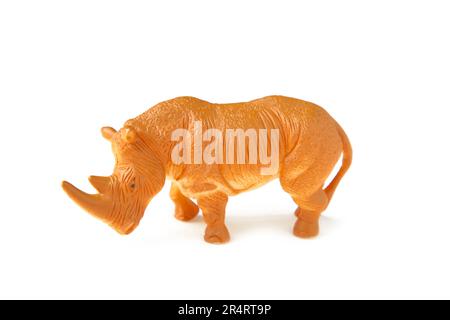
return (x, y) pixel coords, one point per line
(95, 204)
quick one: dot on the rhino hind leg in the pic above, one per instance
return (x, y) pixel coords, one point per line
(306, 189)
(308, 213)
(185, 208)
(311, 200)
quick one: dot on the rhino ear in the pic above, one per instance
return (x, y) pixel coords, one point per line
(108, 132)
(129, 135)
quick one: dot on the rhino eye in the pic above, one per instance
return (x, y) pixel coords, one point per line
(132, 186)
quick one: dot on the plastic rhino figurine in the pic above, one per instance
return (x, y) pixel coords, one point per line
(308, 144)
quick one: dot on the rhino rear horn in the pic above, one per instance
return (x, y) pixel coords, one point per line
(101, 184)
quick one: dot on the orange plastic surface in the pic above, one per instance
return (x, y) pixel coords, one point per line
(310, 144)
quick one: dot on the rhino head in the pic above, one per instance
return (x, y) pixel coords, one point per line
(122, 197)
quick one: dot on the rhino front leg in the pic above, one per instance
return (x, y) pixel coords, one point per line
(185, 209)
(213, 207)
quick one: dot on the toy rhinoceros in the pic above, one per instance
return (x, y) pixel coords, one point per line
(191, 142)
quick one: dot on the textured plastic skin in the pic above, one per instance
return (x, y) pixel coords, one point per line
(311, 143)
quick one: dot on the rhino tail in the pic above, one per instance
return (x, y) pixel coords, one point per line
(346, 162)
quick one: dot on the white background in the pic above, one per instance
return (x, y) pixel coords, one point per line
(381, 68)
